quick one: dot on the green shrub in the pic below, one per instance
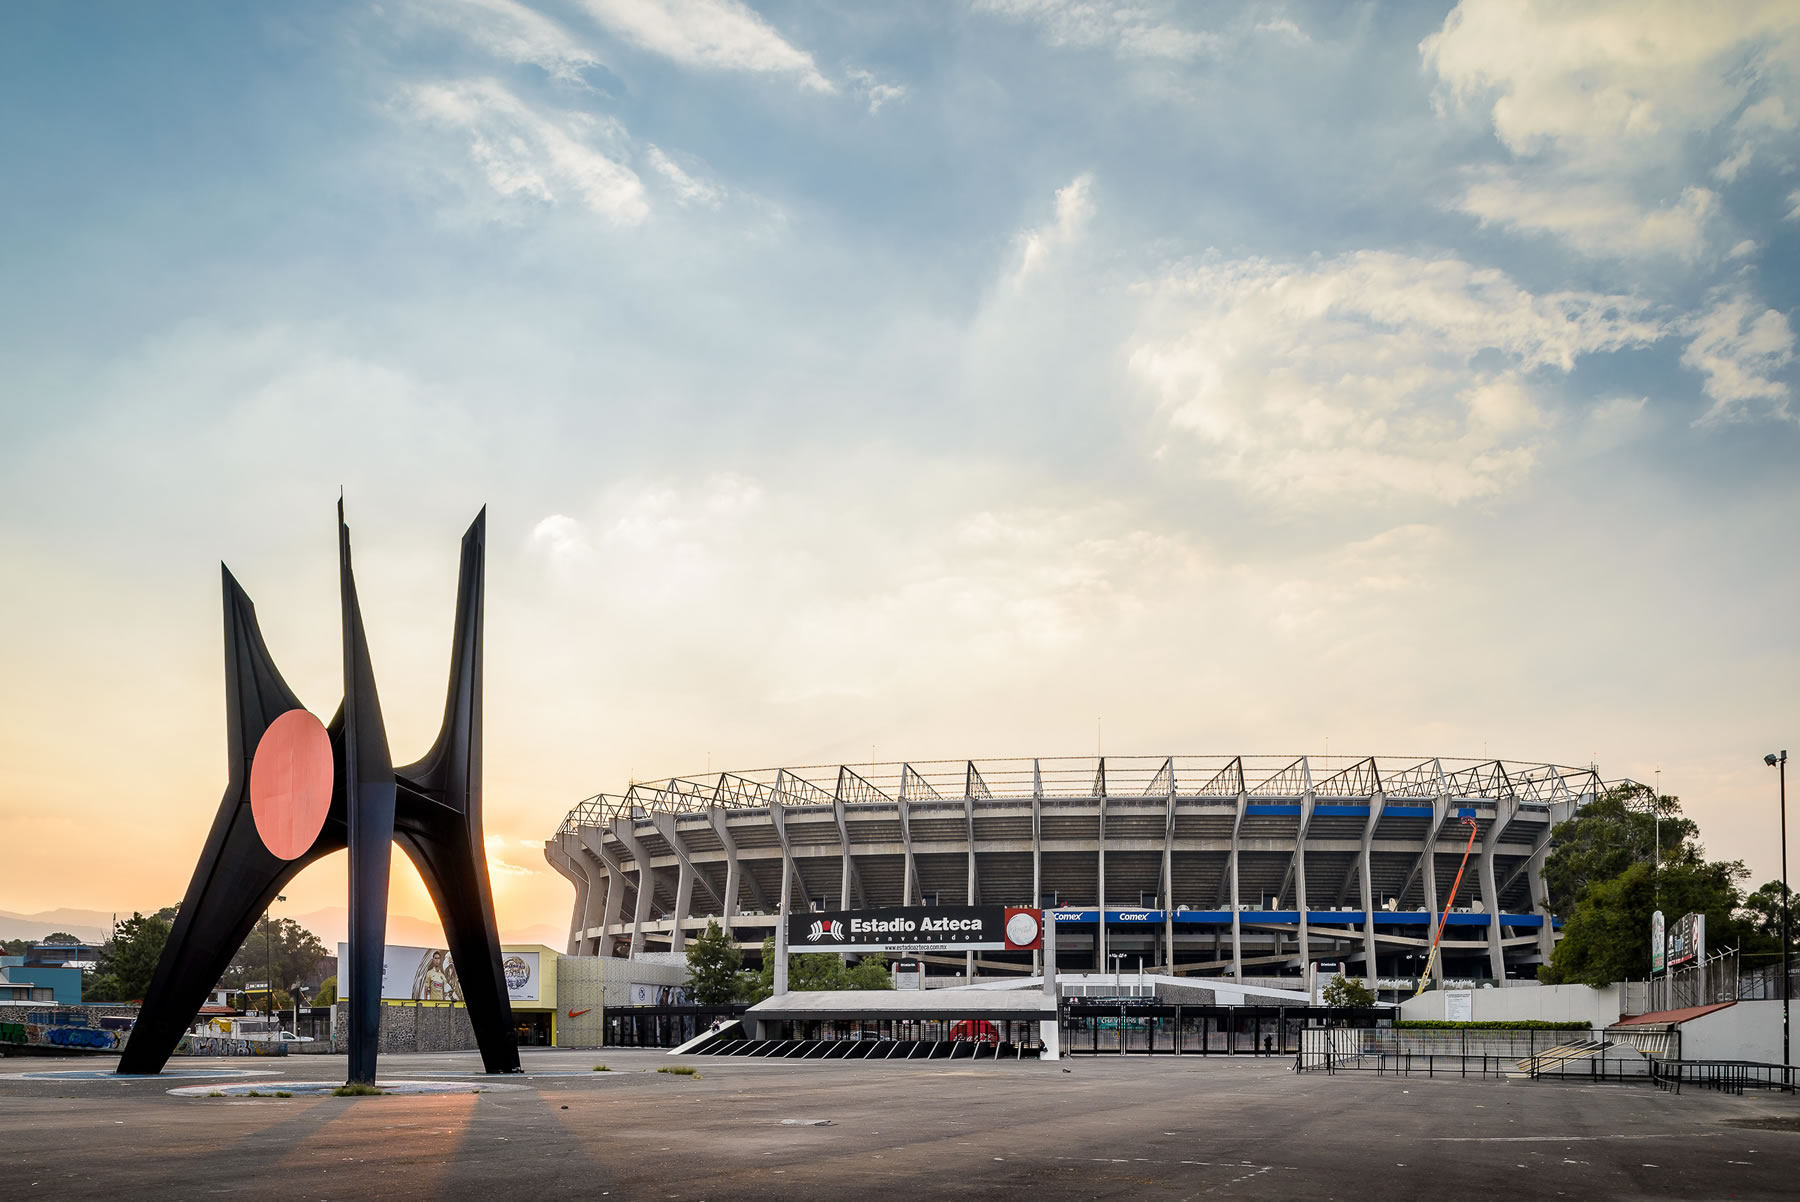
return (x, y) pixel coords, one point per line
(284, 1093)
(601, 1068)
(356, 1090)
(680, 1070)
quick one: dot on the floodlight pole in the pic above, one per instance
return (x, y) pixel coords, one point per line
(1787, 905)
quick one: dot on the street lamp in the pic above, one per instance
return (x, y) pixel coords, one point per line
(1780, 765)
(1115, 957)
(269, 955)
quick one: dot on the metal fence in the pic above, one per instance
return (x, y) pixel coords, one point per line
(1579, 1054)
(1727, 1076)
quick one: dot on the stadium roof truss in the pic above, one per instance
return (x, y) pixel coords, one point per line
(1091, 778)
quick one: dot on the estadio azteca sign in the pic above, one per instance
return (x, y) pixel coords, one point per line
(917, 929)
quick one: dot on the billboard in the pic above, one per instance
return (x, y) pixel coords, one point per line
(917, 929)
(1687, 940)
(428, 974)
(658, 995)
(1659, 942)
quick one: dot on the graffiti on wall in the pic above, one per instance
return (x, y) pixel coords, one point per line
(220, 1045)
(71, 1031)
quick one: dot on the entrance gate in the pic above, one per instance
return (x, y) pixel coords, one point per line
(1147, 1027)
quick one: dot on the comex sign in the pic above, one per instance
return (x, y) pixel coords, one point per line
(918, 929)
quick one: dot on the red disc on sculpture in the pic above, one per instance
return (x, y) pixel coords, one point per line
(290, 783)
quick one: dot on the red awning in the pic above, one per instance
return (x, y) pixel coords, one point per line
(1671, 1017)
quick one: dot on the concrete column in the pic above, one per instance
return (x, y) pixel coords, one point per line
(909, 891)
(646, 884)
(613, 916)
(578, 916)
(1540, 894)
(781, 937)
(1102, 964)
(684, 897)
(1237, 916)
(1037, 853)
(571, 870)
(1367, 892)
(1049, 1030)
(731, 884)
(596, 911)
(1168, 876)
(1428, 862)
(1306, 808)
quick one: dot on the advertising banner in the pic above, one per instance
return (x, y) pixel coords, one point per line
(658, 995)
(1659, 942)
(1687, 940)
(915, 929)
(428, 974)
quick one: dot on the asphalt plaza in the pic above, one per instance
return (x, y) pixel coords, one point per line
(1085, 1128)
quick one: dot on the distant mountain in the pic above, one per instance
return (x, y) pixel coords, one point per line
(332, 926)
(90, 926)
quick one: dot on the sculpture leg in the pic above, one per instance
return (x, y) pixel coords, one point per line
(456, 874)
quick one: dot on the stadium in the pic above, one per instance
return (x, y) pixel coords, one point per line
(1250, 868)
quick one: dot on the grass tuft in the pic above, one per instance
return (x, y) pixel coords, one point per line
(601, 1068)
(356, 1090)
(217, 1093)
(680, 1070)
(284, 1093)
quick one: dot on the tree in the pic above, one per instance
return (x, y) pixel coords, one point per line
(713, 964)
(1609, 835)
(821, 971)
(870, 972)
(61, 939)
(1344, 991)
(296, 952)
(127, 960)
(1607, 939)
(327, 993)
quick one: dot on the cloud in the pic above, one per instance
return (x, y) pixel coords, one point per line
(1595, 218)
(723, 35)
(1130, 30)
(522, 152)
(1738, 347)
(1074, 208)
(510, 30)
(1793, 213)
(1599, 104)
(687, 189)
(1372, 376)
(873, 91)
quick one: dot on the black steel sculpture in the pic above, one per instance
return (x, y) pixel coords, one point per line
(256, 845)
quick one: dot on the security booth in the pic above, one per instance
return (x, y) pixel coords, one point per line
(1149, 1026)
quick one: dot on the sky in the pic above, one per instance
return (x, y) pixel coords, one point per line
(856, 382)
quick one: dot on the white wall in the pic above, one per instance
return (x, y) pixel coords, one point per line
(1545, 1003)
(1745, 1031)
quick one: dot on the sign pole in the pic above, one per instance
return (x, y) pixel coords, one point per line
(781, 936)
(1050, 1029)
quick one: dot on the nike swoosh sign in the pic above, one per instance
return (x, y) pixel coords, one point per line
(578, 1013)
